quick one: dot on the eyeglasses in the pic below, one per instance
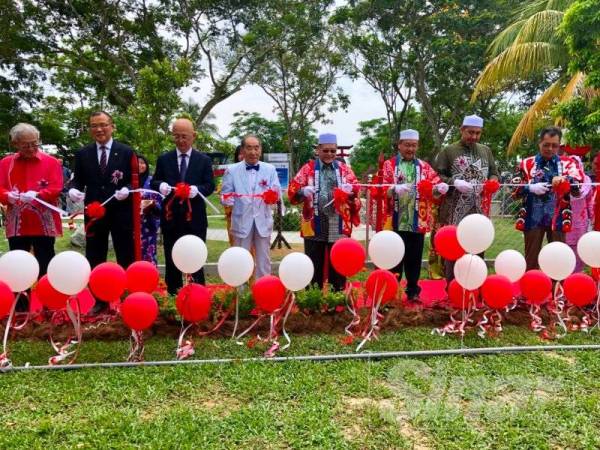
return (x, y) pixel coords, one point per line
(329, 151)
(95, 126)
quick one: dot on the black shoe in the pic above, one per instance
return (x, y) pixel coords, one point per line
(414, 300)
(22, 304)
(99, 308)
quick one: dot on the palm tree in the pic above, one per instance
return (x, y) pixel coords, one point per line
(529, 46)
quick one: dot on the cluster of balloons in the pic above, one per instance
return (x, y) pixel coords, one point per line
(475, 234)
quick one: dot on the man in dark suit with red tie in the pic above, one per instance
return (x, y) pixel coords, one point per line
(187, 165)
(103, 169)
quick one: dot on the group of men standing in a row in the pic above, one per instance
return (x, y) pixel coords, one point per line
(327, 189)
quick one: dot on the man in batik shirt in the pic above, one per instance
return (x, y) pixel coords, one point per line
(466, 166)
(326, 189)
(410, 203)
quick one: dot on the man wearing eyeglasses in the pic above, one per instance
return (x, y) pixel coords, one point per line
(546, 207)
(323, 221)
(102, 171)
(27, 176)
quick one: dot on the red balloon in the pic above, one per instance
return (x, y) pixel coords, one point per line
(596, 273)
(86, 302)
(459, 297)
(446, 243)
(347, 256)
(580, 289)
(382, 282)
(497, 291)
(142, 276)
(139, 311)
(7, 299)
(268, 293)
(50, 297)
(536, 287)
(194, 302)
(108, 281)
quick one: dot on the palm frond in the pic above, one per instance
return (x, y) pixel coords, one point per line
(538, 110)
(541, 27)
(532, 7)
(505, 38)
(518, 62)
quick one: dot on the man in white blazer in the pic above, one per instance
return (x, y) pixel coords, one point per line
(251, 217)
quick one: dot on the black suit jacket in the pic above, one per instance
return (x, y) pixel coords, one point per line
(200, 174)
(99, 187)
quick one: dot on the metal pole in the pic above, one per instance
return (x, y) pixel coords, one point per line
(322, 358)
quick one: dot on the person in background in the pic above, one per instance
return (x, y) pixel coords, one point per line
(252, 218)
(151, 207)
(26, 176)
(67, 174)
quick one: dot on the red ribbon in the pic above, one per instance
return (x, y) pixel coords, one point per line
(270, 196)
(94, 211)
(181, 193)
(425, 190)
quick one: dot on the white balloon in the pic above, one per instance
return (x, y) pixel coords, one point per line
(19, 269)
(69, 272)
(189, 253)
(511, 264)
(475, 233)
(296, 271)
(386, 249)
(235, 266)
(557, 260)
(588, 248)
(470, 271)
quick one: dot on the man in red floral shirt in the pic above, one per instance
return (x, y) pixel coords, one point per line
(27, 176)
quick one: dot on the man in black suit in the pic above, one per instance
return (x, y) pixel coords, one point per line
(103, 169)
(188, 165)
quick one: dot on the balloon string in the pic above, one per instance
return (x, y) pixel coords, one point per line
(72, 346)
(536, 323)
(556, 307)
(351, 306)
(292, 299)
(5, 362)
(184, 350)
(136, 353)
(373, 317)
(237, 312)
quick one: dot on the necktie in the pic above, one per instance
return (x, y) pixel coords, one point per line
(255, 167)
(103, 161)
(183, 167)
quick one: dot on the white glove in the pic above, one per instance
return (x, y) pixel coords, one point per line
(463, 186)
(27, 197)
(441, 188)
(76, 196)
(122, 194)
(13, 197)
(228, 201)
(193, 191)
(347, 188)
(164, 189)
(538, 188)
(402, 189)
(308, 191)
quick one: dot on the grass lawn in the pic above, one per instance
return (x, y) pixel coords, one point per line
(536, 400)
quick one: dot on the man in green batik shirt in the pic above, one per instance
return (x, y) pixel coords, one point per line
(465, 166)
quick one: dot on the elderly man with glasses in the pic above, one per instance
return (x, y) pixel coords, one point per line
(28, 178)
(324, 221)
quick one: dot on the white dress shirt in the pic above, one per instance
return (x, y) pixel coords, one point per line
(108, 145)
(179, 153)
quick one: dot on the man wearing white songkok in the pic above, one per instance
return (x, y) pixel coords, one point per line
(465, 165)
(408, 210)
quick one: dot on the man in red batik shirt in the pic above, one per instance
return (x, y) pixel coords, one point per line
(25, 176)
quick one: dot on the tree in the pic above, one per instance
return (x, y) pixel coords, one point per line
(301, 73)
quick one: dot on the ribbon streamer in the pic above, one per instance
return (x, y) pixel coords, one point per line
(70, 349)
(136, 353)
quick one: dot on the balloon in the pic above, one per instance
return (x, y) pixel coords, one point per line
(48, 296)
(580, 289)
(511, 264)
(19, 269)
(497, 291)
(7, 298)
(296, 271)
(446, 243)
(139, 311)
(596, 273)
(588, 248)
(108, 281)
(470, 271)
(536, 286)
(386, 249)
(189, 253)
(268, 293)
(194, 302)
(235, 266)
(557, 260)
(475, 233)
(459, 297)
(142, 276)
(382, 283)
(347, 257)
(69, 272)
(86, 301)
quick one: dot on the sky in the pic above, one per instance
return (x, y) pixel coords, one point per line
(365, 104)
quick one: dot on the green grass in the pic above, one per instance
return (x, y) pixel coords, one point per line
(536, 400)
